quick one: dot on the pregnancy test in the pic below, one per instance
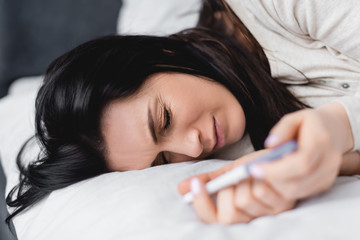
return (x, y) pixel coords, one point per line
(241, 172)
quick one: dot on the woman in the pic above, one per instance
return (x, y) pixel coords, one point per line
(123, 103)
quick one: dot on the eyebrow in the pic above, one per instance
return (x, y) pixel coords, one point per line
(151, 126)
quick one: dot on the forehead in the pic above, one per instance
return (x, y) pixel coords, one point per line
(126, 135)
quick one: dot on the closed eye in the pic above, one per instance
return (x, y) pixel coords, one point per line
(167, 119)
(165, 115)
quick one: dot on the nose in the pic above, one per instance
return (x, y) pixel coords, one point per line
(188, 143)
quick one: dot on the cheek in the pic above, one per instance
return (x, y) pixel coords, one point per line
(237, 121)
(189, 110)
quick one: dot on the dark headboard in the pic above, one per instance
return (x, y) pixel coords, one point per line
(33, 33)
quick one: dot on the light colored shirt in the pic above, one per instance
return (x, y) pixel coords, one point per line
(313, 45)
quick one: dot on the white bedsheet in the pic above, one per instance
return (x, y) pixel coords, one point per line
(145, 204)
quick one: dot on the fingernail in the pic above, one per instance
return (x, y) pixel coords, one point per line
(271, 140)
(256, 171)
(195, 186)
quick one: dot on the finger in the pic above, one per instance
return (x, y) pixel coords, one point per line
(285, 130)
(299, 164)
(319, 181)
(203, 205)
(185, 185)
(245, 201)
(303, 182)
(312, 139)
(228, 213)
(269, 197)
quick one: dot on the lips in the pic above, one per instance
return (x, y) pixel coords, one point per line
(220, 136)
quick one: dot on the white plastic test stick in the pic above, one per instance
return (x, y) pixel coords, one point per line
(241, 172)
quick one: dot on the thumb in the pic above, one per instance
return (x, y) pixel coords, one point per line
(184, 186)
(203, 205)
(285, 130)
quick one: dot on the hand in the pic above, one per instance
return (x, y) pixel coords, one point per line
(241, 203)
(324, 138)
(323, 135)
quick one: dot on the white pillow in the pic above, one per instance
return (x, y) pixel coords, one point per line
(157, 17)
(138, 205)
(17, 123)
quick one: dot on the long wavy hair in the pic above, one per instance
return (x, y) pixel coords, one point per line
(81, 83)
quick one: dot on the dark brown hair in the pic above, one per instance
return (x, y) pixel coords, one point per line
(218, 16)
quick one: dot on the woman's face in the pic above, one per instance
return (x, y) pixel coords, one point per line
(174, 117)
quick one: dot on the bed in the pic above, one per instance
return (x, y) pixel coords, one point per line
(145, 204)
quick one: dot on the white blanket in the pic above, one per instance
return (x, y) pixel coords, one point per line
(146, 205)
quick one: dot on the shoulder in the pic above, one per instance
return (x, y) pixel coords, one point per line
(294, 15)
